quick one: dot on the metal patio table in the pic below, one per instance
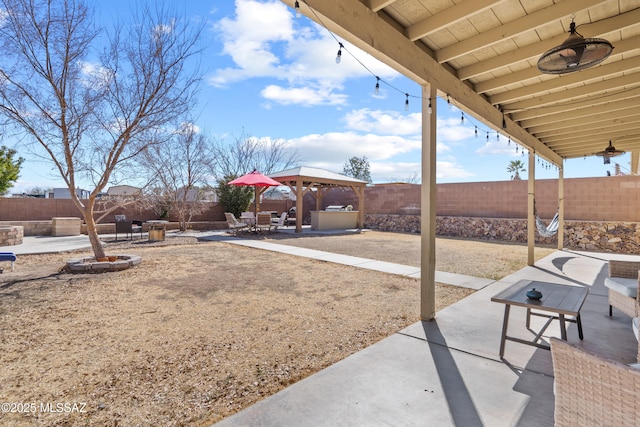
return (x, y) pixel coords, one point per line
(557, 302)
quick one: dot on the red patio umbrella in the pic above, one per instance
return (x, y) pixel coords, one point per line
(256, 179)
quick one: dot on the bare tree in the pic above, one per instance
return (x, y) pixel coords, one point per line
(92, 117)
(179, 170)
(248, 153)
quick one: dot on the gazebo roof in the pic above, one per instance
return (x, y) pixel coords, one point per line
(316, 176)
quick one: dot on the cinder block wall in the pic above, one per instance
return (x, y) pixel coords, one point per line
(613, 198)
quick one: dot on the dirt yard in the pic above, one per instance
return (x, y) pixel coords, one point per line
(199, 331)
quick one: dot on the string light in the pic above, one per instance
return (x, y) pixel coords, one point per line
(462, 118)
(476, 131)
(429, 109)
(377, 85)
(406, 102)
(296, 6)
(339, 55)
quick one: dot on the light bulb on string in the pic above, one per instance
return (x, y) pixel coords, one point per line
(497, 136)
(377, 85)
(296, 6)
(476, 131)
(406, 102)
(487, 136)
(462, 118)
(509, 142)
(517, 149)
(339, 55)
(429, 109)
(449, 102)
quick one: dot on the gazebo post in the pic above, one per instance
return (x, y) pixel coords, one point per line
(299, 197)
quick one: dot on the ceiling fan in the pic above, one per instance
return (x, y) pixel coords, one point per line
(574, 54)
(608, 153)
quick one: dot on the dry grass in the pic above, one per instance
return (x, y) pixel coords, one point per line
(195, 333)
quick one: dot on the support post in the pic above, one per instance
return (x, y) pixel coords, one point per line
(428, 205)
(561, 207)
(299, 205)
(531, 220)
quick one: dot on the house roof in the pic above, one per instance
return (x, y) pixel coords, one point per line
(482, 55)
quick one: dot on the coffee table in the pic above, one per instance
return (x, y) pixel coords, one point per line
(558, 300)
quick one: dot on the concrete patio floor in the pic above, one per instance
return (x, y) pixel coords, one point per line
(447, 372)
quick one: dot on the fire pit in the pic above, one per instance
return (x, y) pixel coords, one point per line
(113, 263)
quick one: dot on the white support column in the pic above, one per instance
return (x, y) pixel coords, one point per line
(428, 206)
(561, 207)
(531, 220)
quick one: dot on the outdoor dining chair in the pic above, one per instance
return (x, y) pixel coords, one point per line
(263, 221)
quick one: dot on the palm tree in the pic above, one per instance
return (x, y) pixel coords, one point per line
(515, 167)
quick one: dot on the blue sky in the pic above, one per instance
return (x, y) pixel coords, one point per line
(271, 75)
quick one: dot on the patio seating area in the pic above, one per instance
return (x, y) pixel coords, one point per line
(448, 371)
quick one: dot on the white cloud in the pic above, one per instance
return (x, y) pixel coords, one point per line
(341, 146)
(385, 122)
(452, 130)
(302, 96)
(264, 41)
(94, 74)
(500, 146)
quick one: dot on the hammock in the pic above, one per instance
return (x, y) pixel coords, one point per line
(550, 230)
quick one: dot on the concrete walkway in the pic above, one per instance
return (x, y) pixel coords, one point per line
(47, 244)
(369, 264)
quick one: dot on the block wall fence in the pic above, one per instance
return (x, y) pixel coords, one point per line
(615, 198)
(601, 213)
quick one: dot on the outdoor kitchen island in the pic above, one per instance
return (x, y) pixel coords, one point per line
(334, 218)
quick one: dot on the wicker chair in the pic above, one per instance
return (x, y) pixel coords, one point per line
(623, 284)
(591, 390)
(233, 223)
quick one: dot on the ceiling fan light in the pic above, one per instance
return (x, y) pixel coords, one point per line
(574, 54)
(609, 152)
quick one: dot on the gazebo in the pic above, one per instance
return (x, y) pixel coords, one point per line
(303, 179)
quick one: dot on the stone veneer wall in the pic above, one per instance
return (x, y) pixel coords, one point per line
(619, 237)
(31, 228)
(11, 235)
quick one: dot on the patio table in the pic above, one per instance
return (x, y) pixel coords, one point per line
(559, 300)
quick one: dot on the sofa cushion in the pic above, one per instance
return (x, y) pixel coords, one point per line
(627, 287)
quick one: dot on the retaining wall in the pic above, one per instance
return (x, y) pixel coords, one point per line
(598, 236)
